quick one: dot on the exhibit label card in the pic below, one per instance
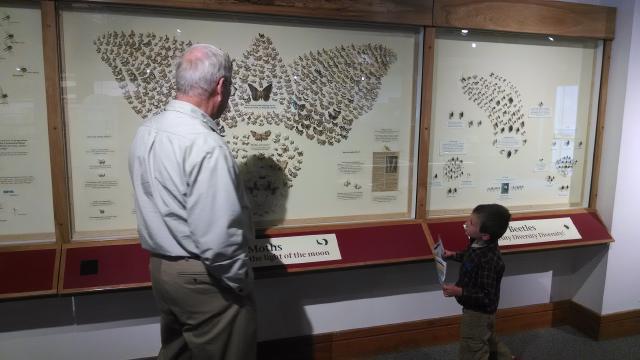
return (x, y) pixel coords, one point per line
(540, 112)
(536, 231)
(294, 250)
(453, 147)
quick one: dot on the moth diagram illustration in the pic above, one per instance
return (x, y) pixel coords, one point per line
(276, 109)
(502, 103)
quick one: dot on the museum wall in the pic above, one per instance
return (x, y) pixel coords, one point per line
(124, 324)
(621, 291)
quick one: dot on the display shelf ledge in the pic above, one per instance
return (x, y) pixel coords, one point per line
(359, 245)
(103, 266)
(112, 265)
(28, 272)
(590, 228)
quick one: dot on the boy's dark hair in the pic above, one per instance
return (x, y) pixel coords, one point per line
(494, 219)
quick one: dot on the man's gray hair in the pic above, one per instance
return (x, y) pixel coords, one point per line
(199, 69)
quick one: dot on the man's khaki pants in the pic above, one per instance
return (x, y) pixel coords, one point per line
(201, 318)
(478, 339)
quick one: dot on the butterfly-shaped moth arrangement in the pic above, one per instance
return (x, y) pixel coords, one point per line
(316, 98)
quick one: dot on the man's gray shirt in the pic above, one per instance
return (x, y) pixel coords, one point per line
(189, 198)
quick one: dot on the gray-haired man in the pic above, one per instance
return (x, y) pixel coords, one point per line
(194, 218)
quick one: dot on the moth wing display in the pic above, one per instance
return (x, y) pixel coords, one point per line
(141, 64)
(334, 87)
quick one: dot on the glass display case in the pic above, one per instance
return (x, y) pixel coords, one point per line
(26, 203)
(513, 121)
(322, 119)
(341, 126)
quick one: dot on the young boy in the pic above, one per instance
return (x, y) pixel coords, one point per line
(478, 285)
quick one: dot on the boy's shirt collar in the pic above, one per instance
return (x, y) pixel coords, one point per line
(476, 243)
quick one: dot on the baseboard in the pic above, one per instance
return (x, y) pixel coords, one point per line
(619, 324)
(367, 342)
(602, 327)
(584, 320)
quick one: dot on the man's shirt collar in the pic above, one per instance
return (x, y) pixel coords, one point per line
(189, 109)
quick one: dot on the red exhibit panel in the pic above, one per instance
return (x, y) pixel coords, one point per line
(28, 272)
(588, 225)
(108, 266)
(368, 245)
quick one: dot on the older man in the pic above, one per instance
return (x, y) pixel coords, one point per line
(194, 218)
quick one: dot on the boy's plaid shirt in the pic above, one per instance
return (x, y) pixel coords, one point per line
(480, 276)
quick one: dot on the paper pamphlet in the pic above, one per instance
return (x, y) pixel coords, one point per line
(441, 264)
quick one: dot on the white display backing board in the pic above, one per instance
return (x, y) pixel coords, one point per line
(26, 201)
(525, 107)
(333, 183)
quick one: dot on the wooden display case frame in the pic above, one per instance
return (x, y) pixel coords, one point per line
(535, 17)
(549, 18)
(38, 264)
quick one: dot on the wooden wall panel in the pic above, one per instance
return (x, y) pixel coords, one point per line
(602, 107)
(425, 121)
(620, 324)
(414, 12)
(57, 150)
(584, 320)
(532, 16)
(373, 341)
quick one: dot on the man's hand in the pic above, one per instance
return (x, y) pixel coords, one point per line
(451, 290)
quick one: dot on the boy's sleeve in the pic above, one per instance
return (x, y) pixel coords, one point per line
(459, 256)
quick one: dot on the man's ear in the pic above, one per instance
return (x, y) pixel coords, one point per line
(220, 85)
(485, 237)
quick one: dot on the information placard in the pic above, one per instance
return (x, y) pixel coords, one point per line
(294, 250)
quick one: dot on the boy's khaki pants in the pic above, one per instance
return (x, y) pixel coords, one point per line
(478, 339)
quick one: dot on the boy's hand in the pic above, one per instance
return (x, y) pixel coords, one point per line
(451, 290)
(448, 253)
